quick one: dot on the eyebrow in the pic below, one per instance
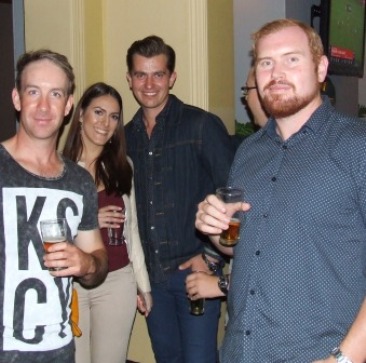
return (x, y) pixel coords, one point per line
(147, 73)
(102, 108)
(292, 52)
(62, 90)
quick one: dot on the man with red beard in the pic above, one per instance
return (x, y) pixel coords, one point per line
(298, 282)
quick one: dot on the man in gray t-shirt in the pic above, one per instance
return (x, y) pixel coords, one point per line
(36, 183)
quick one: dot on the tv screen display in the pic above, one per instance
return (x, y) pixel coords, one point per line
(342, 28)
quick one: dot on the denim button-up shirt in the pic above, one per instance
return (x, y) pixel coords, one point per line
(188, 156)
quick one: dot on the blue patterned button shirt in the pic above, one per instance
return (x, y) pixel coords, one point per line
(298, 276)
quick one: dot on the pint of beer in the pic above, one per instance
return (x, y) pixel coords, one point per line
(53, 231)
(229, 195)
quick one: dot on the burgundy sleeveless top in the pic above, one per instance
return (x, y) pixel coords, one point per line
(117, 255)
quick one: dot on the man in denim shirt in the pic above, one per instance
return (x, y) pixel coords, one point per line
(180, 154)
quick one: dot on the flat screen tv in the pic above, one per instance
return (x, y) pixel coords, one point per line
(342, 29)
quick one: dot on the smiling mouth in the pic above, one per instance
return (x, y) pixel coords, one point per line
(149, 94)
(101, 132)
(43, 120)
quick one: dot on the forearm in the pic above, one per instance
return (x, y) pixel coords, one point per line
(97, 268)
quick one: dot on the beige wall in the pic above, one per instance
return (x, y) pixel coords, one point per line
(95, 35)
(132, 20)
(57, 25)
(94, 45)
(221, 61)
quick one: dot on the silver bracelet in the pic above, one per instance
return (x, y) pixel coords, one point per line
(338, 355)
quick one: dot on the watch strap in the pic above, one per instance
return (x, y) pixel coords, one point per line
(212, 266)
(339, 356)
(223, 283)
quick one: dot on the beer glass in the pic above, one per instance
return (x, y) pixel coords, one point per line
(197, 307)
(53, 231)
(230, 195)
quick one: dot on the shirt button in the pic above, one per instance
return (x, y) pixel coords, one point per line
(284, 147)
(252, 292)
(152, 227)
(274, 179)
(150, 153)
(257, 253)
(265, 215)
(156, 251)
(151, 202)
(247, 332)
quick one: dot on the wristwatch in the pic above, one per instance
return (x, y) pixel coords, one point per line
(223, 283)
(338, 355)
(212, 266)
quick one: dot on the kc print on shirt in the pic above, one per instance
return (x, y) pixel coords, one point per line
(35, 304)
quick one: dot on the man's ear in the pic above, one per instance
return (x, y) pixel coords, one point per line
(322, 68)
(69, 103)
(16, 99)
(129, 79)
(172, 79)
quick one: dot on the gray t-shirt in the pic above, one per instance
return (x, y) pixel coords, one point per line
(34, 306)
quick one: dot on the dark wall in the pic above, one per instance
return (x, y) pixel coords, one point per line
(7, 113)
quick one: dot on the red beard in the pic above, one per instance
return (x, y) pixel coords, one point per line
(281, 105)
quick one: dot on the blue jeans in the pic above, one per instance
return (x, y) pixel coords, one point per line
(176, 335)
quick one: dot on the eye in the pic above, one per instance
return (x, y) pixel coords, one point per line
(159, 75)
(265, 64)
(98, 112)
(293, 60)
(139, 75)
(115, 118)
(32, 92)
(56, 94)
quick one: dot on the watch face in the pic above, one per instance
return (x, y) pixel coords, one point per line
(223, 284)
(212, 266)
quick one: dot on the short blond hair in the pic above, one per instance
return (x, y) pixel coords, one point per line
(315, 42)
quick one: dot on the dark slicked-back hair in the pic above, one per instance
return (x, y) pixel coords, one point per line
(112, 168)
(150, 47)
(42, 54)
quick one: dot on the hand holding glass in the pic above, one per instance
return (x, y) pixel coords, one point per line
(115, 235)
(53, 231)
(197, 306)
(230, 195)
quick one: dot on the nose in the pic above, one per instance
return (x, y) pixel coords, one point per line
(149, 81)
(277, 71)
(43, 103)
(105, 120)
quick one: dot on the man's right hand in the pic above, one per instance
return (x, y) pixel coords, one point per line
(212, 218)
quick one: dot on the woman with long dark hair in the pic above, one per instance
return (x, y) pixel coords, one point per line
(96, 141)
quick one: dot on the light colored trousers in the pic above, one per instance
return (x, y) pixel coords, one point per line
(106, 316)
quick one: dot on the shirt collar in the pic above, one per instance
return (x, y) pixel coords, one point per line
(159, 118)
